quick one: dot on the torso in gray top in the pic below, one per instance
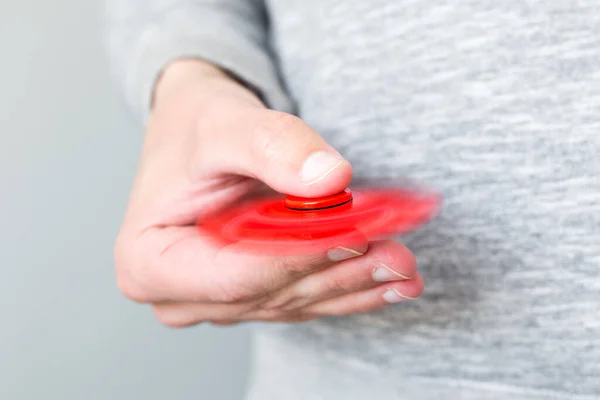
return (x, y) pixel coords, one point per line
(497, 104)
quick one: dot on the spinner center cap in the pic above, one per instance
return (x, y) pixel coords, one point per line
(318, 203)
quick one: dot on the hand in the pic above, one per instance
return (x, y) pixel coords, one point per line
(210, 142)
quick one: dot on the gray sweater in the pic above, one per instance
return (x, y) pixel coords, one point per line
(497, 104)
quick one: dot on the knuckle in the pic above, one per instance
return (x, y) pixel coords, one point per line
(266, 145)
(284, 123)
(275, 133)
(340, 284)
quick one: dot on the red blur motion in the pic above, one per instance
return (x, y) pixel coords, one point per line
(292, 225)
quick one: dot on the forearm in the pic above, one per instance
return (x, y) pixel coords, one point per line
(147, 35)
(201, 79)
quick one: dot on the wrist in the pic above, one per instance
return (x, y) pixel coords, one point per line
(204, 81)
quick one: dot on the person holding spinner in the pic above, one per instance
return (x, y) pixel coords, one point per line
(496, 104)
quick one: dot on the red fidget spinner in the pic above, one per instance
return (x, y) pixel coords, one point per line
(287, 225)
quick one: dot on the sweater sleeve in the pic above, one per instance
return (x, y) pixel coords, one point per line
(146, 35)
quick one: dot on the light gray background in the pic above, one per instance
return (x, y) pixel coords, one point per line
(68, 153)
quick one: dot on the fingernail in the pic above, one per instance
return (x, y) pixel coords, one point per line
(318, 165)
(383, 273)
(394, 296)
(342, 253)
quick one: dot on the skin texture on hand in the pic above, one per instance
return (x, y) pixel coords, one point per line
(211, 142)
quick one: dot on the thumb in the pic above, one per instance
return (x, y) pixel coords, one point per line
(278, 149)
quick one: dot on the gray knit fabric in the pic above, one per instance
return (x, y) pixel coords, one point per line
(497, 104)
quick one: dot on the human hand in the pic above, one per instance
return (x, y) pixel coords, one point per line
(211, 142)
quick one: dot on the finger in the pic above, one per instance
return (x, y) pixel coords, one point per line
(185, 314)
(276, 148)
(354, 275)
(385, 261)
(369, 300)
(180, 315)
(179, 264)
